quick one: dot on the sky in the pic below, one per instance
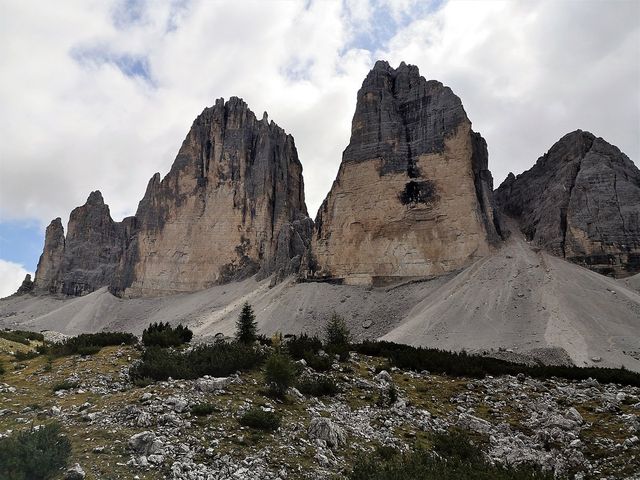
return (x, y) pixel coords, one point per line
(98, 95)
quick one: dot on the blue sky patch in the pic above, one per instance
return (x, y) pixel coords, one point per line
(129, 64)
(21, 242)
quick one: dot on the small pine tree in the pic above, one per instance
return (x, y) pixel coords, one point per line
(336, 332)
(279, 375)
(246, 326)
(337, 337)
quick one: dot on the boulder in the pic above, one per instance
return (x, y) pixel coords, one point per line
(74, 473)
(145, 443)
(322, 428)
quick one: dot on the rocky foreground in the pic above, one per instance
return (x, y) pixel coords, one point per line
(574, 429)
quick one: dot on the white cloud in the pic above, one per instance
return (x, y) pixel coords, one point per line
(11, 277)
(72, 121)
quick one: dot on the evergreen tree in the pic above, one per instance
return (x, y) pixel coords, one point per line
(336, 331)
(246, 326)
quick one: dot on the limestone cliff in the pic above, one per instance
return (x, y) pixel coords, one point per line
(580, 201)
(231, 206)
(413, 196)
(48, 271)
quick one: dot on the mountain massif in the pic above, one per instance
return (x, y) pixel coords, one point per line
(413, 198)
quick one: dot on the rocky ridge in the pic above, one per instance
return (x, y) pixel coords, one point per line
(580, 201)
(413, 196)
(231, 206)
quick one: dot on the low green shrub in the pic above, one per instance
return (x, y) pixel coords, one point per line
(65, 385)
(87, 343)
(318, 363)
(34, 454)
(202, 409)
(303, 346)
(219, 360)
(387, 397)
(164, 335)
(320, 386)
(21, 336)
(469, 365)
(24, 356)
(260, 420)
(457, 459)
(280, 373)
(456, 444)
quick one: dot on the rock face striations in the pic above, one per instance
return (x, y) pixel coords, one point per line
(413, 196)
(231, 206)
(580, 201)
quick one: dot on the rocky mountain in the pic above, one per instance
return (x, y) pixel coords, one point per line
(89, 255)
(231, 206)
(580, 201)
(413, 196)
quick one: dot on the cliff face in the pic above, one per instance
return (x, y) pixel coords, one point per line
(580, 201)
(413, 196)
(231, 206)
(48, 270)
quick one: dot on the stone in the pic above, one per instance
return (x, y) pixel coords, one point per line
(383, 377)
(476, 424)
(208, 385)
(74, 473)
(145, 443)
(413, 195)
(322, 428)
(580, 201)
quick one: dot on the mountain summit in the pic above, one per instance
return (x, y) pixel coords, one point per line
(580, 201)
(413, 196)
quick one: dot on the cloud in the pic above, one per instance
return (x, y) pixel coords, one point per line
(11, 277)
(100, 94)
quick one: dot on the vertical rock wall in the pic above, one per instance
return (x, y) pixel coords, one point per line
(413, 196)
